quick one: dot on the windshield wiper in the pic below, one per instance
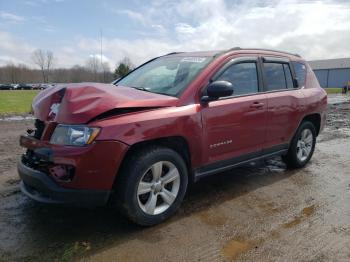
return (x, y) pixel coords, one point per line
(141, 88)
(149, 91)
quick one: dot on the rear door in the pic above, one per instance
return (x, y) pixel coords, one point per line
(235, 125)
(284, 103)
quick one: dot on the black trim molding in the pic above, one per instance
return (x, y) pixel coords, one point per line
(228, 164)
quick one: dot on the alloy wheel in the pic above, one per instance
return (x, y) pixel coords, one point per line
(304, 145)
(158, 188)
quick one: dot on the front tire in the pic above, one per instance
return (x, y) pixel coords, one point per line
(302, 146)
(152, 185)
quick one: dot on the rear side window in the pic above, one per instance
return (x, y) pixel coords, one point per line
(300, 72)
(243, 77)
(274, 76)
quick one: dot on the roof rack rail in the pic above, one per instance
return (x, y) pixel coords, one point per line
(173, 53)
(263, 49)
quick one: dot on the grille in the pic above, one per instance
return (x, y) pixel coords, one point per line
(32, 160)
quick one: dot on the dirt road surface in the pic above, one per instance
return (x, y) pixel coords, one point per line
(260, 212)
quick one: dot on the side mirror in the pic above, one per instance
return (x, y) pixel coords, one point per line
(218, 89)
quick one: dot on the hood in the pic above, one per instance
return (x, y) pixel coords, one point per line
(79, 103)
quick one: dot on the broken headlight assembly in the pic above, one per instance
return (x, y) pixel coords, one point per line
(74, 135)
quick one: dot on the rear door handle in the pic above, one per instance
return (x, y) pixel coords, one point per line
(257, 105)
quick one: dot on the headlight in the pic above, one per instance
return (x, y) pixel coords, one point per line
(74, 135)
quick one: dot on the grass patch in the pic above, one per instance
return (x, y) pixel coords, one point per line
(333, 90)
(16, 101)
(72, 251)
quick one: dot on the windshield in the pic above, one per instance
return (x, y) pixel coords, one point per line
(168, 75)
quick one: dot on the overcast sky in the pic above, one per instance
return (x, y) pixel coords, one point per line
(144, 29)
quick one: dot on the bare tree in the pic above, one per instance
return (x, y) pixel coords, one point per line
(43, 59)
(20, 73)
(39, 59)
(77, 74)
(13, 73)
(93, 64)
(49, 63)
(105, 70)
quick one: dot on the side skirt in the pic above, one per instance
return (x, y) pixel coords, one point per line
(228, 164)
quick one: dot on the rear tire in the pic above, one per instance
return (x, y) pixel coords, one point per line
(151, 185)
(302, 146)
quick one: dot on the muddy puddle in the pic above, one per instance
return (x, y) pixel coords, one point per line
(259, 212)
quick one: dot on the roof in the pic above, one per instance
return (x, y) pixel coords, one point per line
(330, 63)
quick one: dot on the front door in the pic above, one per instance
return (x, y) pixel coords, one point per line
(234, 126)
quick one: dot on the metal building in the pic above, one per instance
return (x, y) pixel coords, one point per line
(332, 72)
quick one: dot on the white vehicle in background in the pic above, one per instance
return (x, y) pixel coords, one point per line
(46, 85)
(36, 86)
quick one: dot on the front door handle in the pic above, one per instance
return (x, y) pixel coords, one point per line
(257, 105)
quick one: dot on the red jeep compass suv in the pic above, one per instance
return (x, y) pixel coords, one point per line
(172, 120)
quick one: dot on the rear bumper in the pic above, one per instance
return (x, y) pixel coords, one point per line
(43, 188)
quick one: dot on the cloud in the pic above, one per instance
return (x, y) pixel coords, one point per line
(49, 28)
(39, 2)
(13, 51)
(39, 19)
(11, 17)
(297, 26)
(136, 16)
(116, 49)
(183, 28)
(315, 29)
(142, 18)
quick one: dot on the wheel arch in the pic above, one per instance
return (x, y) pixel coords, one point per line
(177, 143)
(315, 119)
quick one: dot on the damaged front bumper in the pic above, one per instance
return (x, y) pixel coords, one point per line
(68, 174)
(40, 187)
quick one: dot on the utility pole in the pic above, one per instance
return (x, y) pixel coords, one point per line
(103, 71)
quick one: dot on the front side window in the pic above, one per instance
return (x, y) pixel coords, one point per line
(168, 75)
(274, 76)
(243, 77)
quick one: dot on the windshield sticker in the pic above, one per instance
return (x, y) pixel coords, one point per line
(193, 59)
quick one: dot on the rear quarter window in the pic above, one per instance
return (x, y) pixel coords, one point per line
(288, 75)
(300, 72)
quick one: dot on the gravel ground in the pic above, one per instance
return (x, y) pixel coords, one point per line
(260, 212)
